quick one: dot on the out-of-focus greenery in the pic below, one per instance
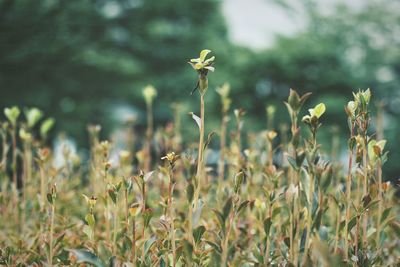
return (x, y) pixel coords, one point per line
(80, 60)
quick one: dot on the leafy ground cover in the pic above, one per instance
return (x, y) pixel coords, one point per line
(282, 200)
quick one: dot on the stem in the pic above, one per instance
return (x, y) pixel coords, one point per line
(14, 158)
(380, 197)
(221, 164)
(50, 260)
(200, 164)
(126, 211)
(357, 235)
(149, 135)
(171, 217)
(365, 189)
(115, 227)
(291, 231)
(337, 230)
(190, 222)
(310, 194)
(42, 185)
(348, 205)
(225, 244)
(309, 218)
(143, 209)
(267, 243)
(296, 216)
(107, 211)
(134, 241)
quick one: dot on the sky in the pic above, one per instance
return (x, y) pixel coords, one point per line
(254, 23)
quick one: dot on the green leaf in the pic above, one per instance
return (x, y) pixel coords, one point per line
(292, 163)
(294, 100)
(227, 208)
(190, 192)
(113, 195)
(88, 231)
(197, 213)
(112, 262)
(89, 218)
(396, 228)
(59, 239)
(198, 233)
(147, 215)
(12, 114)
(220, 217)
(215, 246)
(317, 220)
(238, 181)
(352, 223)
(188, 250)
(385, 214)
(242, 205)
(203, 54)
(50, 198)
(208, 141)
(267, 226)
(33, 115)
(196, 119)
(85, 256)
(318, 110)
(148, 244)
(46, 127)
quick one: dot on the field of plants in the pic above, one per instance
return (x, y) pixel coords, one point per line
(282, 199)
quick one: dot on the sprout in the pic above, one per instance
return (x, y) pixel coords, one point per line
(33, 115)
(315, 113)
(149, 93)
(134, 209)
(12, 114)
(351, 108)
(202, 64)
(24, 135)
(271, 109)
(224, 91)
(375, 149)
(363, 96)
(171, 158)
(46, 126)
(271, 135)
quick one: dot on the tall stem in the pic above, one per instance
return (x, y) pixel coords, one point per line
(42, 186)
(171, 217)
(348, 203)
(115, 228)
(149, 136)
(309, 218)
(221, 164)
(380, 198)
(51, 233)
(365, 189)
(134, 241)
(226, 241)
(14, 159)
(337, 230)
(311, 200)
(200, 164)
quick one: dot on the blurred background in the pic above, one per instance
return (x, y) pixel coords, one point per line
(87, 61)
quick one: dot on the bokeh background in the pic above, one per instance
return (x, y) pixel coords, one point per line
(86, 61)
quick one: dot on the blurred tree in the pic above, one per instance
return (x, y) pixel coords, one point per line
(80, 60)
(77, 60)
(339, 52)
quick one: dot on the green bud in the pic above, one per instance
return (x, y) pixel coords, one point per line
(12, 114)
